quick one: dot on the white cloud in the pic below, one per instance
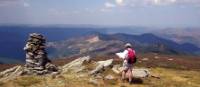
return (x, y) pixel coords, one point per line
(157, 2)
(109, 5)
(173, 1)
(142, 3)
(164, 2)
(7, 3)
(119, 2)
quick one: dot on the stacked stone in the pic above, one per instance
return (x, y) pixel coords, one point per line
(37, 61)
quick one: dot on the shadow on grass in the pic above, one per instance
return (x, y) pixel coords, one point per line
(137, 81)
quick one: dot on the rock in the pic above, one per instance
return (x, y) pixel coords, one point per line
(51, 67)
(76, 65)
(145, 59)
(106, 63)
(54, 75)
(109, 77)
(116, 70)
(37, 61)
(93, 81)
(139, 61)
(155, 76)
(98, 76)
(170, 59)
(11, 73)
(101, 65)
(156, 57)
(98, 69)
(81, 75)
(36, 35)
(137, 73)
(140, 73)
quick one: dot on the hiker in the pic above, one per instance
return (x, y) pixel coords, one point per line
(129, 58)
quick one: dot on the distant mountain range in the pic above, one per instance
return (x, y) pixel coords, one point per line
(13, 38)
(187, 35)
(101, 44)
(73, 40)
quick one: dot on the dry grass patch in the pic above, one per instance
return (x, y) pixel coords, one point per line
(168, 78)
(174, 78)
(1, 84)
(27, 81)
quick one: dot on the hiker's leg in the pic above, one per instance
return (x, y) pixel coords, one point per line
(123, 74)
(130, 75)
(125, 68)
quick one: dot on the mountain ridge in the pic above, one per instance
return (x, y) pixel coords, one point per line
(186, 35)
(15, 38)
(142, 43)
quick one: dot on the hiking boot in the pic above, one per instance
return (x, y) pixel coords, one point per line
(130, 82)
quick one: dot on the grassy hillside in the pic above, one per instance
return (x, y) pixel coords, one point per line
(169, 78)
(172, 70)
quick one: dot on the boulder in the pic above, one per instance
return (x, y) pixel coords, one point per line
(93, 81)
(11, 73)
(101, 65)
(170, 59)
(106, 63)
(156, 57)
(76, 65)
(145, 59)
(137, 73)
(140, 73)
(116, 69)
(109, 77)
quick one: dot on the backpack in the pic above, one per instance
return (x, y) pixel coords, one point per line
(131, 56)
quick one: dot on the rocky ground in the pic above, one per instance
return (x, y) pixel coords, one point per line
(105, 72)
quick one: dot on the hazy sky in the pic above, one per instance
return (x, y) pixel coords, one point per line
(153, 13)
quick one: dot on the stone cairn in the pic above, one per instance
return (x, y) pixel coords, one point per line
(37, 61)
